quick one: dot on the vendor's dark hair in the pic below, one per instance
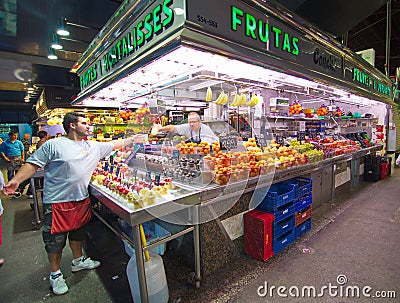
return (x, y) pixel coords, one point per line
(71, 118)
(12, 132)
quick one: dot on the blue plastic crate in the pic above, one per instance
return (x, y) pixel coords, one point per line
(303, 186)
(278, 194)
(279, 228)
(153, 232)
(303, 228)
(303, 202)
(280, 213)
(284, 240)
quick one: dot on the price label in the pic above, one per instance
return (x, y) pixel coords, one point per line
(228, 142)
(301, 135)
(175, 154)
(157, 179)
(279, 139)
(261, 141)
(148, 177)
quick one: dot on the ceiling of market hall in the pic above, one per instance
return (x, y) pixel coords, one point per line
(27, 28)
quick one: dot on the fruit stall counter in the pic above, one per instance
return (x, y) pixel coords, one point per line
(203, 208)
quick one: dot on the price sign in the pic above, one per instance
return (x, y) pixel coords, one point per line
(261, 141)
(157, 179)
(279, 139)
(228, 142)
(175, 154)
(148, 177)
(301, 135)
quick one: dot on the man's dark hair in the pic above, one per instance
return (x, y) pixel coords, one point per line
(42, 134)
(71, 118)
(12, 132)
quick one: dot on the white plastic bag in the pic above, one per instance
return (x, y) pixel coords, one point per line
(398, 161)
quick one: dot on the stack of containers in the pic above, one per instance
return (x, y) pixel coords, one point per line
(258, 234)
(303, 203)
(280, 202)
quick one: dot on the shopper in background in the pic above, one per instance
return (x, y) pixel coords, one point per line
(12, 151)
(194, 130)
(43, 136)
(26, 142)
(66, 205)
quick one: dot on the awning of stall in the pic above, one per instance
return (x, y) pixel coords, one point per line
(172, 48)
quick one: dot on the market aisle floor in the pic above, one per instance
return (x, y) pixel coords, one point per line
(355, 235)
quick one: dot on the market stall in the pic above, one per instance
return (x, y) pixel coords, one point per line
(231, 61)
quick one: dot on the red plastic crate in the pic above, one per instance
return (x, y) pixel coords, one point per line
(258, 234)
(302, 216)
(384, 170)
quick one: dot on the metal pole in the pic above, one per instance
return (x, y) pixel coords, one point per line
(388, 34)
(196, 244)
(140, 264)
(35, 203)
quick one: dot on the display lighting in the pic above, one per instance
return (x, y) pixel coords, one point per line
(62, 29)
(183, 65)
(52, 55)
(56, 44)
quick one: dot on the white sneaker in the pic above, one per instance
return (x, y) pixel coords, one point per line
(86, 263)
(58, 285)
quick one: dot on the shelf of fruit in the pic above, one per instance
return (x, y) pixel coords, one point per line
(131, 194)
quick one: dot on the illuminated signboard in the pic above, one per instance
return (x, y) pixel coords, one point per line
(140, 36)
(238, 22)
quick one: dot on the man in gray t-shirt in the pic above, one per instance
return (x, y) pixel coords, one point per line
(68, 164)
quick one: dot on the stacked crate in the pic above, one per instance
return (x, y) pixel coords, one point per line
(258, 234)
(372, 168)
(280, 202)
(303, 204)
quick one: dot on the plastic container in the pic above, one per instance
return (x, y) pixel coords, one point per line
(258, 234)
(157, 287)
(302, 216)
(303, 228)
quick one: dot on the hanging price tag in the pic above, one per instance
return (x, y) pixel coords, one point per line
(301, 135)
(228, 142)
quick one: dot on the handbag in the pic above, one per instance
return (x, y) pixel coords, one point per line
(68, 216)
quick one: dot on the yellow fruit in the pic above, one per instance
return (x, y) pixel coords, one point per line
(209, 94)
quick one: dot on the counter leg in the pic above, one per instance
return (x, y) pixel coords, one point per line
(354, 167)
(35, 204)
(196, 243)
(140, 264)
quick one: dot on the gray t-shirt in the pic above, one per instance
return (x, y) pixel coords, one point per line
(68, 166)
(205, 133)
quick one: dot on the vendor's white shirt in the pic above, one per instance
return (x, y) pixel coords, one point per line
(68, 166)
(205, 134)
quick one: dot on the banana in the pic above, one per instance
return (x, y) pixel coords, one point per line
(224, 100)
(220, 97)
(236, 100)
(209, 94)
(253, 101)
(242, 99)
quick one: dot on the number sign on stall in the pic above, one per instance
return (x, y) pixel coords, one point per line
(228, 142)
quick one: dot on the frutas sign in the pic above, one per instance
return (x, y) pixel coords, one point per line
(259, 29)
(153, 23)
